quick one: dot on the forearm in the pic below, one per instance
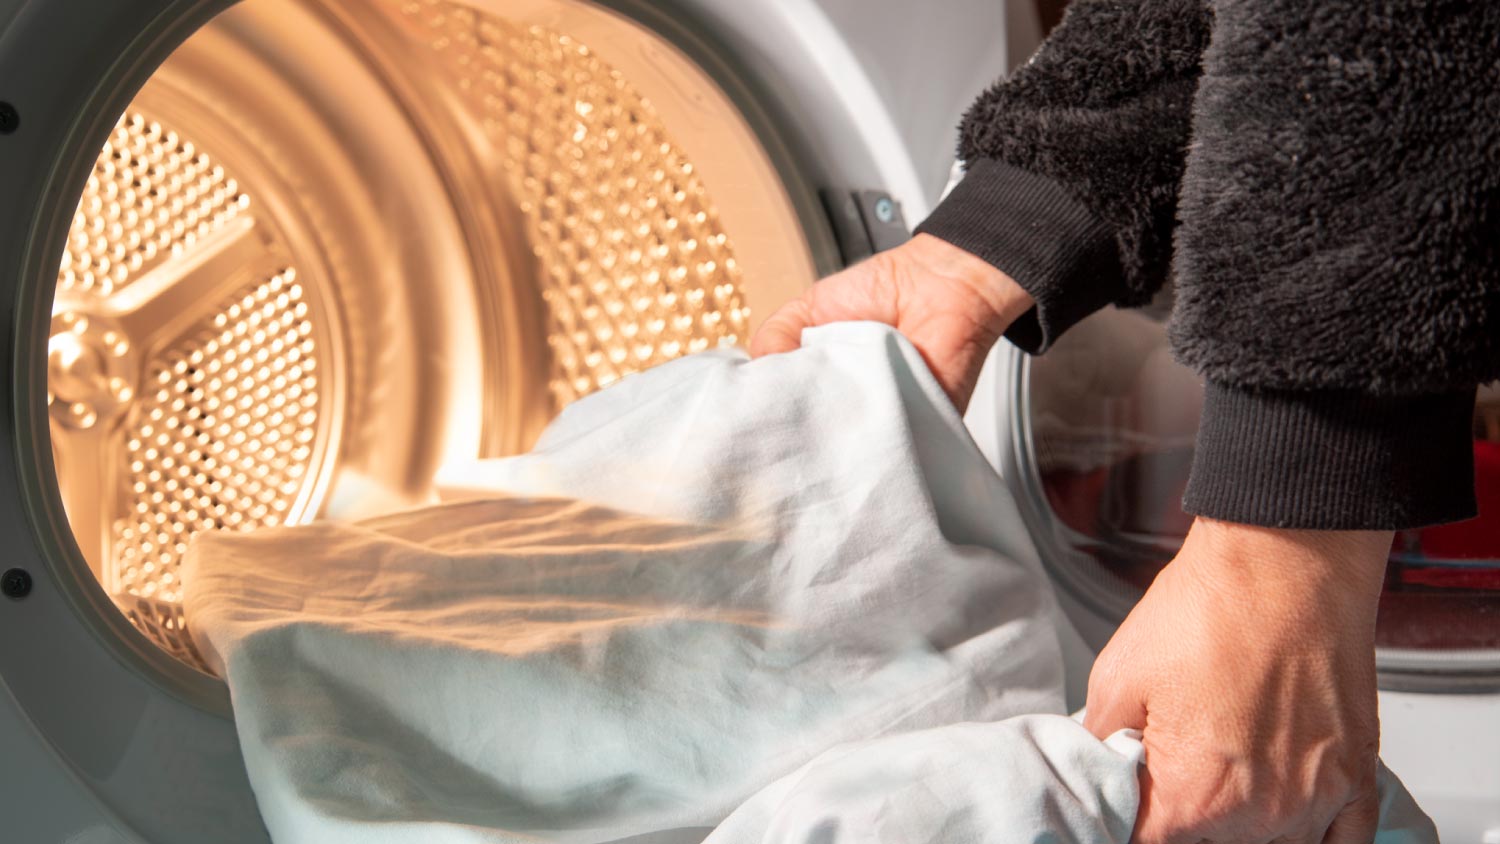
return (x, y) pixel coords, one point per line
(1075, 161)
(1338, 277)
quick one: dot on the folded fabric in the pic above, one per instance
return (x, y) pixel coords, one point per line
(771, 591)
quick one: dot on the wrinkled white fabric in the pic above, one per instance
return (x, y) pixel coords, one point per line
(698, 580)
(1032, 778)
(703, 583)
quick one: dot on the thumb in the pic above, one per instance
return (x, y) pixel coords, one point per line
(1358, 822)
(782, 330)
(1114, 702)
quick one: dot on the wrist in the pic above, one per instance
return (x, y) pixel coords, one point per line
(1291, 566)
(989, 284)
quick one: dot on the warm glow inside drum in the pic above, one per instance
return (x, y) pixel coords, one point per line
(332, 246)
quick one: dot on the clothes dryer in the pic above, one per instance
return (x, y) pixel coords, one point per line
(267, 261)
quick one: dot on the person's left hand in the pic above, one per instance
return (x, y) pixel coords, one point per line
(1249, 667)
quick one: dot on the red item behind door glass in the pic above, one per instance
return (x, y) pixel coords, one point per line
(1478, 538)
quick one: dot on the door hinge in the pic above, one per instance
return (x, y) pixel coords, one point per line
(864, 222)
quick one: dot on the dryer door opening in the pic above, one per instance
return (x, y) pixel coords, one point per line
(330, 247)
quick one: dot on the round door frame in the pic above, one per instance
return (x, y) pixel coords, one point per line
(150, 739)
(1104, 597)
(88, 683)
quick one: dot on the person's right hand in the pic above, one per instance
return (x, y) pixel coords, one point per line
(950, 304)
(1249, 667)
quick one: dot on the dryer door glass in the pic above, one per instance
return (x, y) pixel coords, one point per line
(1110, 427)
(332, 246)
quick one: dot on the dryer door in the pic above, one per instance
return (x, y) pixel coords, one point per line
(1099, 437)
(1106, 423)
(288, 259)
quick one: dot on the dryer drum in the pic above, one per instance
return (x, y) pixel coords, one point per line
(329, 247)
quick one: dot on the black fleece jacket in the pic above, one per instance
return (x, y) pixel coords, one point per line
(1320, 181)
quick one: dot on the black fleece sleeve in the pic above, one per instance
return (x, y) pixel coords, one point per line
(1075, 161)
(1338, 261)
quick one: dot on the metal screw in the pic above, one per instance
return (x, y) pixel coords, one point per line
(885, 210)
(10, 119)
(16, 584)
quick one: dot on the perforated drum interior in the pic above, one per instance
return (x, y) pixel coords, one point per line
(330, 247)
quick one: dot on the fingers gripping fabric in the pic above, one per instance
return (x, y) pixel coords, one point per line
(703, 579)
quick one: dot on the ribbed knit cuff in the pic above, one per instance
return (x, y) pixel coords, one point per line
(1333, 460)
(1029, 228)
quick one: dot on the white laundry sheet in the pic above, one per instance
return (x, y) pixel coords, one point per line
(786, 599)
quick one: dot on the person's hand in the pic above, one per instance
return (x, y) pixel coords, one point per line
(950, 304)
(1249, 667)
